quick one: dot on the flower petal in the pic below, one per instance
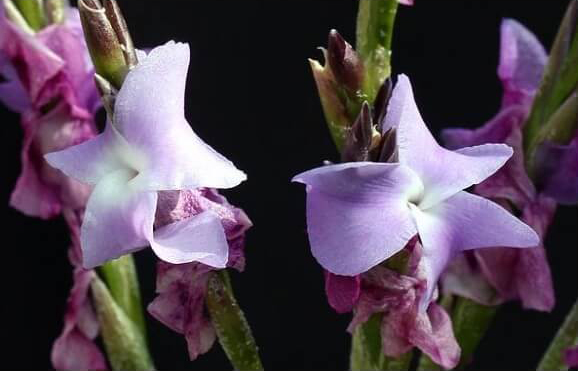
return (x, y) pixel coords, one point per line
(199, 238)
(357, 213)
(75, 348)
(463, 222)
(180, 304)
(558, 169)
(432, 333)
(523, 274)
(342, 291)
(463, 277)
(522, 61)
(443, 172)
(94, 159)
(12, 92)
(149, 113)
(117, 220)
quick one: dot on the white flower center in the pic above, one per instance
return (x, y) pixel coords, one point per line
(415, 192)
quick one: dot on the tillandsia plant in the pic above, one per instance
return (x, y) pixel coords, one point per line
(146, 180)
(393, 218)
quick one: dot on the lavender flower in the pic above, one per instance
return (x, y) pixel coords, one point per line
(49, 81)
(511, 273)
(360, 214)
(180, 304)
(149, 147)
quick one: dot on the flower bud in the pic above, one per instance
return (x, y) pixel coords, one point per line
(339, 84)
(344, 62)
(108, 40)
(359, 138)
(334, 109)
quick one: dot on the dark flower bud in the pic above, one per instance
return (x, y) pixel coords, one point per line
(108, 39)
(388, 147)
(344, 63)
(358, 141)
(381, 102)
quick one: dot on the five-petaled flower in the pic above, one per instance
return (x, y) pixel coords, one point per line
(149, 147)
(361, 213)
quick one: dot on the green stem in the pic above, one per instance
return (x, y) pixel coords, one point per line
(367, 350)
(558, 83)
(14, 15)
(230, 324)
(566, 337)
(122, 281)
(470, 321)
(125, 344)
(375, 21)
(33, 12)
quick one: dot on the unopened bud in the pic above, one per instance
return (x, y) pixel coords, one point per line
(334, 109)
(388, 147)
(359, 138)
(344, 63)
(107, 39)
(119, 24)
(381, 102)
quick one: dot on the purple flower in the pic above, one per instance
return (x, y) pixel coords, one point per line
(75, 349)
(49, 81)
(181, 288)
(522, 61)
(558, 167)
(403, 324)
(149, 147)
(359, 214)
(511, 273)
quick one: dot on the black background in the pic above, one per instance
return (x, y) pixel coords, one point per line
(251, 96)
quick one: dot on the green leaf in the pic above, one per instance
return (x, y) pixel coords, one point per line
(367, 349)
(230, 324)
(566, 337)
(33, 12)
(559, 82)
(125, 344)
(14, 15)
(470, 321)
